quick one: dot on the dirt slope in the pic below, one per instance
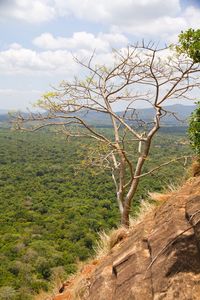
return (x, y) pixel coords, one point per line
(159, 260)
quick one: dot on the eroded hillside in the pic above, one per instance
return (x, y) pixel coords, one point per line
(159, 259)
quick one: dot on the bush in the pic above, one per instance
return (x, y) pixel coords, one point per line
(43, 268)
(39, 285)
(189, 43)
(194, 130)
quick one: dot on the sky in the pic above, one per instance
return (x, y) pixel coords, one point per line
(38, 38)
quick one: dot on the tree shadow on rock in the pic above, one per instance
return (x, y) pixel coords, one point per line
(186, 256)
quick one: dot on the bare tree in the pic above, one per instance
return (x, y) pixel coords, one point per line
(137, 73)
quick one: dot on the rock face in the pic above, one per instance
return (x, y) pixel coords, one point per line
(159, 260)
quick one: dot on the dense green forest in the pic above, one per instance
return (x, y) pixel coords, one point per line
(52, 206)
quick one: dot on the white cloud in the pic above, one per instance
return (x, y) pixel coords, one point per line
(159, 27)
(155, 19)
(81, 40)
(32, 11)
(172, 27)
(15, 46)
(151, 19)
(19, 60)
(118, 11)
(39, 69)
(145, 18)
(166, 27)
(192, 17)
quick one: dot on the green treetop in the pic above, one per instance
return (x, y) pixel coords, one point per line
(194, 129)
(189, 43)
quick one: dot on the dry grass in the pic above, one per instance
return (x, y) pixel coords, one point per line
(159, 197)
(195, 168)
(80, 286)
(164, 196)
(108, 240)
(145, 208)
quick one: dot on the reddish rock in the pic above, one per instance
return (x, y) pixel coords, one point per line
(66, 296)
(159, 260)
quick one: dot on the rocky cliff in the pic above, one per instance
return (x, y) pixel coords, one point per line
(159, 259)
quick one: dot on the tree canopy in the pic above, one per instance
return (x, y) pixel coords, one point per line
(194, 130)
(189, 43)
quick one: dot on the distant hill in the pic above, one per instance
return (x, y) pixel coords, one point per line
(102, 119)
(3, 111)
(3, 115)
(182, 112)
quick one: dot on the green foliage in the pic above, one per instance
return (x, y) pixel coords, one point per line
(194, 130)
(51, 209)
(189, 43)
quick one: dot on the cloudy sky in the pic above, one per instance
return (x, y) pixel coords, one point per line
(38, 38)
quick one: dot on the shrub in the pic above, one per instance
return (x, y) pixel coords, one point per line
(194, 130)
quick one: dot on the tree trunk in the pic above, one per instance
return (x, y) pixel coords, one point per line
(128, 202)
(125, 217)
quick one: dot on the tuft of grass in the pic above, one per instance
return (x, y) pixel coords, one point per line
(196, 168)
(80, 287)
(145, 208)
(160, 197)
(107, 241)
(173, 187)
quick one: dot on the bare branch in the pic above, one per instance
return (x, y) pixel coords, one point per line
(185, 157)
(141, 73)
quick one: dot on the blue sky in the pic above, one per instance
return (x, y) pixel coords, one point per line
(38, 38)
